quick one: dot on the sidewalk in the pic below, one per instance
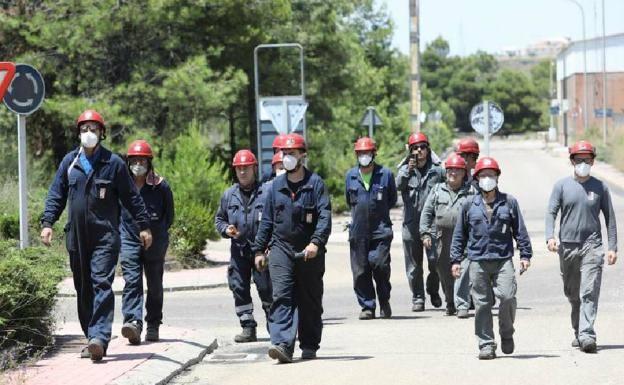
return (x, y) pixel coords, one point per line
(149, 363)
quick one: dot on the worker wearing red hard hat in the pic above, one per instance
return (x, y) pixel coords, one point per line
(238, 218)
(94, 183)
(414, 180)
(437, 222)
(486, 228)
(581, 198)
(468, 148)
(136, 261)
(370, 192)
(296, 224)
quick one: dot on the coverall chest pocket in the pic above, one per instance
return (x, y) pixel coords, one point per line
(478, 225)
(378, 193)
(72, 184)
(353, 196)
(258, 213)
(593, 199)
(444, 213)
(103, 194)
(154, 211)
(503, 222)
(280, 214)
(233, 211)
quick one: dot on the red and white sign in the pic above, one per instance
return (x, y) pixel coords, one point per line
(7, 72)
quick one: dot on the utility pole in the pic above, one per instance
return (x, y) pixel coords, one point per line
(585, 106)
(604, 78)
(415, 64)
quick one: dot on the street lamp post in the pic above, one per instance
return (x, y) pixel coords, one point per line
(585, 112)
(604, 78)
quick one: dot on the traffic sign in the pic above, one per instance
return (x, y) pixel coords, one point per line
(7, 72)
(371, 120)
(479, 120)
(27, 91)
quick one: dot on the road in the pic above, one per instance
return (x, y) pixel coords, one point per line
(427, 347)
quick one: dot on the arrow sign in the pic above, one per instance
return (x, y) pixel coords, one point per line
(7, 72)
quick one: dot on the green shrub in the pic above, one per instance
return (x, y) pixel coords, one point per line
(9, 226)
(197, 179)
(28, 285)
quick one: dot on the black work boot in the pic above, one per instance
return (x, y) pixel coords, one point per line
(152, 333)
(385, 311)
(507, 345)
(247, 335)
(132, 331)
(436, 300)
(281, 353)
(588, 346)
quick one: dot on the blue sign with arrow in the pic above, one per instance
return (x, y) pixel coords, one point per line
(27, 91)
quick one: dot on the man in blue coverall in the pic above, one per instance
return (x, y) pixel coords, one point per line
(486, 227)
(158, 199)
(238, 218)
(371, 193)
(295, 226)
(94, 181)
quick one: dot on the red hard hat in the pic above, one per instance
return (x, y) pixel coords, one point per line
(244, 158)
(140, 148)
(365, 144)
(582, 147)
(455, 161)
(278, 157)
(487, 163)
(468, 146)
(294, 142)
(90, 116)
(278, 142)
(417, 137)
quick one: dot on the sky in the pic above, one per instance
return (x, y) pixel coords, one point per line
(491, 25)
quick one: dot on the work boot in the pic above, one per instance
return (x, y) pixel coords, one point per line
(132, 331)
(463, 313)
(281, 353)
(436, 300)
(367, 314)
(575, 343)
(450, 309)
(385, 311)
(487, 352)
(152, 333)
(588, 346)
(507, 345)
(96, 349)
(247, 335)
(418, 307)
(308, 354)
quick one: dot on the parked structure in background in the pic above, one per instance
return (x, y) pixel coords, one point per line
(569, 101)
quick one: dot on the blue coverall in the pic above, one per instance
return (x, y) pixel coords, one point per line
(134, 259)
(291, 220)
(370, 233)
(246, 218)
(92, 231)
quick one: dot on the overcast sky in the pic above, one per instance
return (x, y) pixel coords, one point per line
(491, 25)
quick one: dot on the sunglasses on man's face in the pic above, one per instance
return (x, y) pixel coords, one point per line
(583, 160)
(469, 156)
(420, 147)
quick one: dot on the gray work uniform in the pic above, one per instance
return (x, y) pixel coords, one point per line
(415, 186)
(437, 222)
(581, 254)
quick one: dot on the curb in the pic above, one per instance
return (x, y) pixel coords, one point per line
(178, 361)
(165, 290)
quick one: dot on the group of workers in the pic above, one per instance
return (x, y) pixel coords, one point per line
(453, 213)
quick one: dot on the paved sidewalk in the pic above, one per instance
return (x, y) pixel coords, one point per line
(149, 363)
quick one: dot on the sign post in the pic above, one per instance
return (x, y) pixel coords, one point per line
(486, 118)
(24, 96)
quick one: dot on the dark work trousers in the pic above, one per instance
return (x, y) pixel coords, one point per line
(370, 259)
(297, 299)
(443, 264)
(413, 251)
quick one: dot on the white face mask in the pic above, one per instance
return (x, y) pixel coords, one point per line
(280, 171)
(487, 183)
(582, 169)
(365, 160)
(88, 139)
(138, 169)
(290, 162)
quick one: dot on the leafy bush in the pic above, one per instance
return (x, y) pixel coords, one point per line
(197, 181)
(28, 285)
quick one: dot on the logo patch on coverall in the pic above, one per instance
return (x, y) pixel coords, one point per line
(308, 217)
(102, 192)
(591, 196)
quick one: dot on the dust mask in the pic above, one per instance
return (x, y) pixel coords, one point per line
(88, 139)
(365, 160)
(582, 169)
(138, 169)
(487, 183)
(280, 171)
(290, 162)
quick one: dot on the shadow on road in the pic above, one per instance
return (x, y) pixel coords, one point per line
(530, 356)
(409, 317)
(610, 347)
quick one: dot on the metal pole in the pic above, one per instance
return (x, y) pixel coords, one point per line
(371, 115)
(486, 114)
(23, 185)
(414, 65)
(585, 112)
(604, 78)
